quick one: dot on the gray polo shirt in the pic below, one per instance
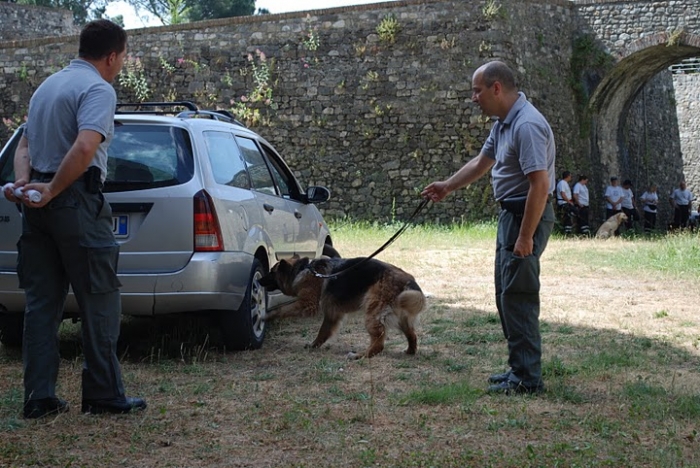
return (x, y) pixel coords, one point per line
(73, 99)
(521, 143)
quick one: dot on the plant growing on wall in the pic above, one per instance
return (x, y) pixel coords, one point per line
(247, 108)
(589, 63)
(491, 10)
(388, 28)
(132, 78)
(12, 123)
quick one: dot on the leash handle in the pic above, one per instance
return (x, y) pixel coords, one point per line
(422, 205)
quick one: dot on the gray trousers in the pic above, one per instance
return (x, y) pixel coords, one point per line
(518, 295)
(70, 242)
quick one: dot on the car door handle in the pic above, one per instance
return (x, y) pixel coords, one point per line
(297, 215)
(268, 208)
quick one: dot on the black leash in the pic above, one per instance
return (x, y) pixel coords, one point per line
(422, 205)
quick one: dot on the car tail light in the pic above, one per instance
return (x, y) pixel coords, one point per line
(207, 232)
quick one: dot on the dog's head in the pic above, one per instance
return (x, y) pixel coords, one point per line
(282, 275)
(621, 217)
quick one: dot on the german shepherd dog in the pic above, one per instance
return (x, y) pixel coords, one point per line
(389, 296)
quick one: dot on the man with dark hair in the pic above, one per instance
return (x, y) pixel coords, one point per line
(520, 152)
(67, 237)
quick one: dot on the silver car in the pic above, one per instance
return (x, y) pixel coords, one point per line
(202, 206)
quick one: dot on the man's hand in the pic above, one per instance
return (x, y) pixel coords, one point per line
(43, 189)
(436, 191)
(9, 190)
(523, 246)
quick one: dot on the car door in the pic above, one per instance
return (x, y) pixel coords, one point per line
(10, 217)
(280, 223)
(308, 219)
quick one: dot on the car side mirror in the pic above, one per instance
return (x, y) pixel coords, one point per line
(317, 194)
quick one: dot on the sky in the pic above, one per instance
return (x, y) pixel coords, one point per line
(132, 20)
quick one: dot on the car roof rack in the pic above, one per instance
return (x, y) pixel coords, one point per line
(191, 112)
(152, 107)
(219, 114)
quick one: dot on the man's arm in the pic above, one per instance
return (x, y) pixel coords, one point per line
(471, 171)
(74, 165)
(22, 167)
(534, 207)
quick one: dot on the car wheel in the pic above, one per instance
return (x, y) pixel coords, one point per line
(11, 329)
(245, 328)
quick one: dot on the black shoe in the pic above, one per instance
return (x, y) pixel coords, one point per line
(498, 378)
(113, 406)
(34, 409)
(508, 387)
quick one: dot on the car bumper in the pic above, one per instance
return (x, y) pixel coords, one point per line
(210, 281)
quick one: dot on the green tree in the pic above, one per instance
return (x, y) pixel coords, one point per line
(211, 9)
(167, 11)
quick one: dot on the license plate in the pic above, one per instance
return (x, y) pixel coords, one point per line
(120, 226)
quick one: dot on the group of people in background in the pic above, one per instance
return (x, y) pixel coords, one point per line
(573, 205)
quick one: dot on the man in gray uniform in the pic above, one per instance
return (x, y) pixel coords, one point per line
(67, 236)
(520, 153)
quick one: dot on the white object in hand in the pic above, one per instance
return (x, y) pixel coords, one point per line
(34, 195)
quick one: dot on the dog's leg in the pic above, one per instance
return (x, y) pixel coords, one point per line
(406, 327)
(407, 306)
(376, 329)
(331, 322)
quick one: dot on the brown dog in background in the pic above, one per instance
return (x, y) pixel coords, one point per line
(389, 296)
(608, 228)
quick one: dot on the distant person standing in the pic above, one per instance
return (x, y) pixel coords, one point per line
(628, 204)
(681, 199)
(565, 204)
(67, 237)
(582, 202)
(650, 200)
(613, 198)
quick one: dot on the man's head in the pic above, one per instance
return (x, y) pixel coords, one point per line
(566, 175)
(494, 89)
(103, 43)
(682, 185)
(583, 179)
(627, 184)
(614, 181)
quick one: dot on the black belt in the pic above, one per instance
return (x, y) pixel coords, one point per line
(91, 178)
(42, 176)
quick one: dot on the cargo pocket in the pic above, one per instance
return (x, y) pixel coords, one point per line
(522, 275)
(102, 266)
(20, 276)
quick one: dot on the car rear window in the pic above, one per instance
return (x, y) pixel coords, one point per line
(148, 156)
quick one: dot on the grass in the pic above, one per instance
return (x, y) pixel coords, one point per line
(621, 364)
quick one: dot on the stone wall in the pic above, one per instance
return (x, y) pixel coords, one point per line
(376, 118)
(28, 21)
(651, 152)
(687, 98)
(373, 119)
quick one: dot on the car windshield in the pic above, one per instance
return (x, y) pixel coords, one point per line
(148, 156)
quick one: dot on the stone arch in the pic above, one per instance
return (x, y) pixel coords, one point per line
(636, 65)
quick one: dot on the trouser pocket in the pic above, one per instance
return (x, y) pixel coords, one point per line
(102, 268)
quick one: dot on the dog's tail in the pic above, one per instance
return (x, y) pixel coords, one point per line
(411, 301)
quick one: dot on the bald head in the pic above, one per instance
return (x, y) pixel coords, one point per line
(497, 71)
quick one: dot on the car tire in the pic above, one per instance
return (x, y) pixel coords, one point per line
(329, 251)
(11, 329)
(245, 328)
